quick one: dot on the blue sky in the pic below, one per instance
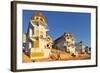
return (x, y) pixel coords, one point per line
(79, 24)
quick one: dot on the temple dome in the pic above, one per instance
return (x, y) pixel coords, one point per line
(39, 17)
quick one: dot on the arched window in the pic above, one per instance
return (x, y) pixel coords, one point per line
(41, 19)
(36, 18)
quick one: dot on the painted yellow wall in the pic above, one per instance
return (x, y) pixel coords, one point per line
(37, 54)
(36, 44)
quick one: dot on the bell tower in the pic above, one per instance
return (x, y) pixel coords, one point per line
(37, 33)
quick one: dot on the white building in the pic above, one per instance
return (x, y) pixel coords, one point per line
(88, 50)
(65, 43)
(36, 42)
(80, 47)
